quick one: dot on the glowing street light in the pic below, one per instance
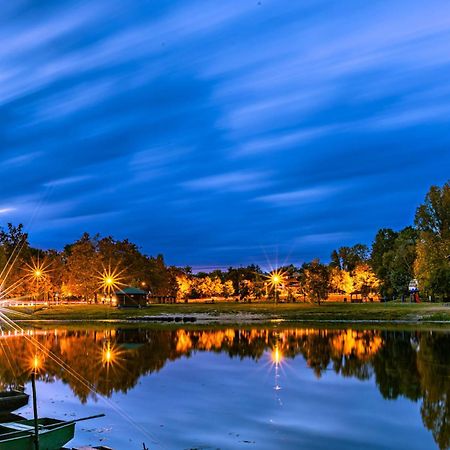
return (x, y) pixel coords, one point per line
(38, 273)
(110, 279)
(275, 279)
(37, 270)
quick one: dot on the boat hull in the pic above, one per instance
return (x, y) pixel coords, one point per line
(12, 400)
(52, 438)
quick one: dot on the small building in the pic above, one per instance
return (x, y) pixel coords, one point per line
(131, 297)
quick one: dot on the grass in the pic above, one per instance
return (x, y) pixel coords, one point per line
(295, 312)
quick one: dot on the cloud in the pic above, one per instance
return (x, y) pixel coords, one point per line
(232, 182)
(6, 210)
(300, 196)
(213, 132)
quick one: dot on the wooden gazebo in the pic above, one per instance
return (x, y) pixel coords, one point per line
(131, 297)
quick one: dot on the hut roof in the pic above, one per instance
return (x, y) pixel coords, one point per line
(129, 290)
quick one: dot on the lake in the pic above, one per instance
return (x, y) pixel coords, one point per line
(254, 388)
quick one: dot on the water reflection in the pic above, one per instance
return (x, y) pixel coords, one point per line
(415, 365)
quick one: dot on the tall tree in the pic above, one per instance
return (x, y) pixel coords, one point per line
(316, 280)
(347, 258)
(365, 280)
(15, 253)
(392, 259)
(384, 242)
(433, 249)
(83, 266)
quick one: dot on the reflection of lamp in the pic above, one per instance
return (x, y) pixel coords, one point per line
(109, 354)
(35, 364)
(35, 367)
(277, 358)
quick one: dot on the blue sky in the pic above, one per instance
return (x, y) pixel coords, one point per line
(222, 132)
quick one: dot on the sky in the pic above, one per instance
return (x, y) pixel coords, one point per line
(222, 132)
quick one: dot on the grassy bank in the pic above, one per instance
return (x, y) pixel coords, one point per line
(239, 312)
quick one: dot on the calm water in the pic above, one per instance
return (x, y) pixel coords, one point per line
(272, 388)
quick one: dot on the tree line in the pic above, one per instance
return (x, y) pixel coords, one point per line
(82, 269)
(420, 251)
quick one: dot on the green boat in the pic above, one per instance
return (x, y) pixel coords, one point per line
(53, 434)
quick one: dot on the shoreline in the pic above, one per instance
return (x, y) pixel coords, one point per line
(182, 315)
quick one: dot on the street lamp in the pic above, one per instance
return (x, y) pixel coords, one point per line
(110, 279)
(276, 278)
(38, 271)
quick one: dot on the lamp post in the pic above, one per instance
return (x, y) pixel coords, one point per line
(35, 368)
(110, 279)
(275, 279)
(108, 283)
(37, 275)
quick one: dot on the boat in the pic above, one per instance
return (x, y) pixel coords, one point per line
(53, 434)
(12, 400)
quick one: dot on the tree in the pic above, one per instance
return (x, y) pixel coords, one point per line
(13, 239)
(14, 254)
(184, 284)
(347, 258)
(400, 261)
(228, 288)
(316, 280)
(433, 249)
(209, 287)
(246, 290)
(365, 280)
(341, 281)
(162, 279)
(392, 259)
(384, 243)
(236, 274)
(82, 267)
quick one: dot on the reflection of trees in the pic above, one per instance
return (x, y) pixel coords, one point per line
(142, 351)
(417, 366)
(433, 363)
(413, 365)
(395, 367)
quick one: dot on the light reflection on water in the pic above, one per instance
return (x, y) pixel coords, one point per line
(249, 388)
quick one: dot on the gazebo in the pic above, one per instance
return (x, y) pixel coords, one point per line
(131, 297)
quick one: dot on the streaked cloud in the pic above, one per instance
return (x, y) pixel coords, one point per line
(6, 210)
(299, 196)
(295, 126)
(232, 182)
